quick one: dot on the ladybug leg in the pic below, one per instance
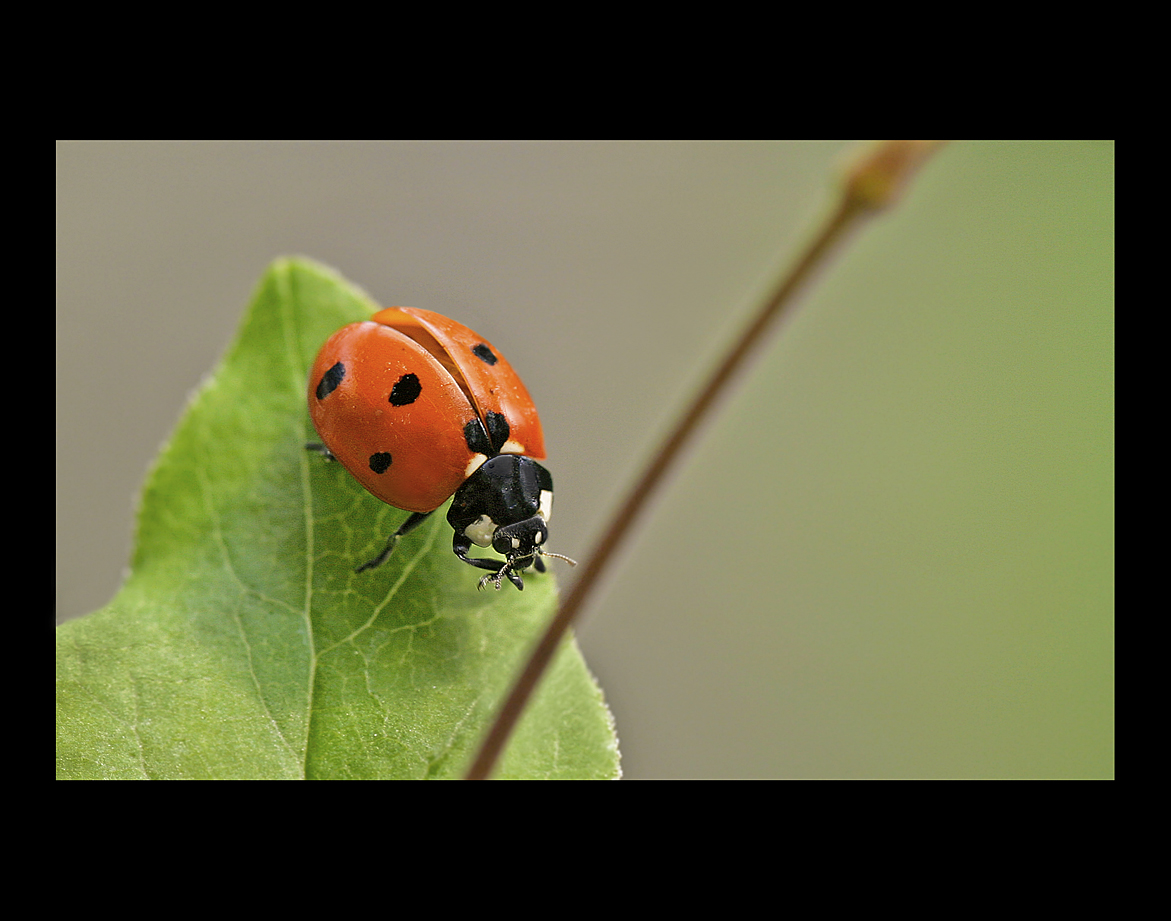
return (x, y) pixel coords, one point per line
(513, 577)
(416, 519)
(538, 564)
(318, 448)
(461, 544)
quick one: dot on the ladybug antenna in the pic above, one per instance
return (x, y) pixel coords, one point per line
(497, 578)
(557, 556)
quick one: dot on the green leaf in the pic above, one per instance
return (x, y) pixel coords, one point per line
(243, 644)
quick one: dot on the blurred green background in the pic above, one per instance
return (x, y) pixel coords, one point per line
(893, 553)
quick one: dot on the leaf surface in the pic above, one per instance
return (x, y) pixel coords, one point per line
(243, 645)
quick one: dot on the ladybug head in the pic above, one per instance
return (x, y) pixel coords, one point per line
(520, 545)
(506, 505)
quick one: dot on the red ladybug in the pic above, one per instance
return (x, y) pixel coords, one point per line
(420, 409)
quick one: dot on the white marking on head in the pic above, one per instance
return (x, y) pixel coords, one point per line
(480, 531)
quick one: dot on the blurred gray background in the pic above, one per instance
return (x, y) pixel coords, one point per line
(893, 553)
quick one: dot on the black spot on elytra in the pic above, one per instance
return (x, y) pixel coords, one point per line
(406, 390)
(330, 380)
(476, 438)
(487, 441)
(484, 353)
(498, 431)
(380, 462)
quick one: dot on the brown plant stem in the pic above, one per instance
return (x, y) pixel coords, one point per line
(875, 180)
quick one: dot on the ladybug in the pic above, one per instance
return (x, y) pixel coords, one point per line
(420, 409)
